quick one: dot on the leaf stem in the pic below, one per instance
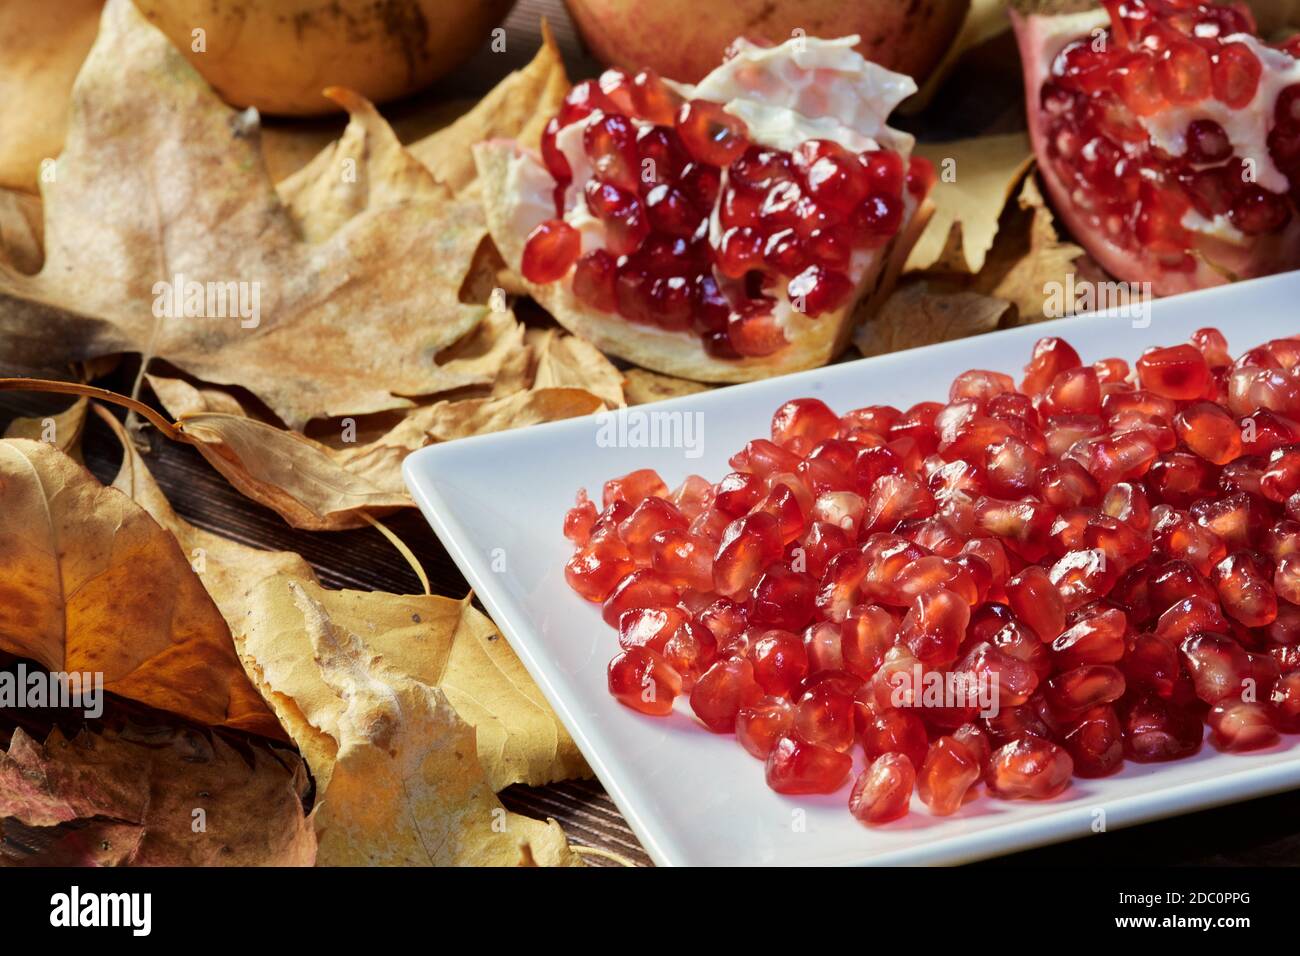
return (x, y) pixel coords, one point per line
(92, 391)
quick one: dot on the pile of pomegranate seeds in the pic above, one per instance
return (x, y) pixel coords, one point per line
(660, 167)
(1160, 56)
(1116, 553)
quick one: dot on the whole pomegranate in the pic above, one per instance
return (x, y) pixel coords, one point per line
(1168, 135)
(907, 37)
(277, 55)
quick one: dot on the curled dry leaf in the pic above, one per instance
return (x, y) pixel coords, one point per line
(328, 487)
(1034, 259)
(21, 232)
(160, 179)
(442, 642)
(517, 108)
(921, 313)
(42, 46)
(400, 780)
(90, 582)
(977, 177)
(641, 386)
(149, 781)
(61, 429)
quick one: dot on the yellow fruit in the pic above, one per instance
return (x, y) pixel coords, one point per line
(278, 55)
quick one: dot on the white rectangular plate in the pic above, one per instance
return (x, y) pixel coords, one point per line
(693, 797)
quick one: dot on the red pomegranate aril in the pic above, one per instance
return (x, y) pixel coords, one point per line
(1257, 211)
(920, 176)
(550, 251)
(832, 175)
(649, 627)
(1158, 730)
(593, 280)
(639, 678)
(710, 134)
(797, 767)
(1095, 742)
(893, 731)
(1037, 602)
(690, 651)
(756, 334)
(1178, 372)
(1096, 639)
(1210, 432)
(824, 716)
(883, 791)
(1029, 768)
(1237, 725)
(818, 290)
(759, 726)
(1218, 665)
(652, 99)
(610, 142)
(748, 546)
(1234, 75)
(595, 570)
(780, 662)
(1183, 72)
(876, 219)
(722, 691)
(948, 773)
(934, 626)
(640, 589)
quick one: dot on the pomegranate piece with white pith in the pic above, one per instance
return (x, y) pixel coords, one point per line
(1168, 134)
(723, 230)
(1126, 604)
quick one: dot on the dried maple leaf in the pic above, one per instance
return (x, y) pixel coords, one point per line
(328, 487)
(159, 179)
(1037, 259)
(439, 641)
(517, 108)
(42, 45)
(90, 582)
(641, 386)
(404, 786)
(920, 313)
(969, 203)
(175, 796)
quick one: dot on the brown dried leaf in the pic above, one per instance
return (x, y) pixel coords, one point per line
(436, 640)
(449, 420)
(42, 45)
(567, 361)
(517, 108)
(641, 386)
(150, 781)
(21, 232)
(920, 313)
(62, 429)
(160, 178)
(90, 582)
(1038, 259)
(967, 208)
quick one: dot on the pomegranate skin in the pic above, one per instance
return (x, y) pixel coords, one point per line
(909, 38)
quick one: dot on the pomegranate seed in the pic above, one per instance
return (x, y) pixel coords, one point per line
(883, 791)
(795, 767)
(1241, 725)
(948, 773)
(1029, 768)
(1037, 602)
(722, 691)
(1095, 742)
(550, 251)
(610, 142)
(1234, 74)
(759, 726)
(639, 678)
(1178, 372)
(710, 134)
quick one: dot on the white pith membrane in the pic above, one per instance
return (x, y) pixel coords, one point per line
(1225, 247)
(805, 88)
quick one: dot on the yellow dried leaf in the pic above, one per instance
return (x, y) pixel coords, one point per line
(516, 108)
(920, 314)
(62, 429)
(984, 173)
(567, 361)
(449, 420)
(21, 232)
(159, 179)
(90, 582)
(641, 386)
(437, 640)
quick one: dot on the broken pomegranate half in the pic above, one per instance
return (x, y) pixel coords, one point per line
(724, 231)
(1168, 135)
